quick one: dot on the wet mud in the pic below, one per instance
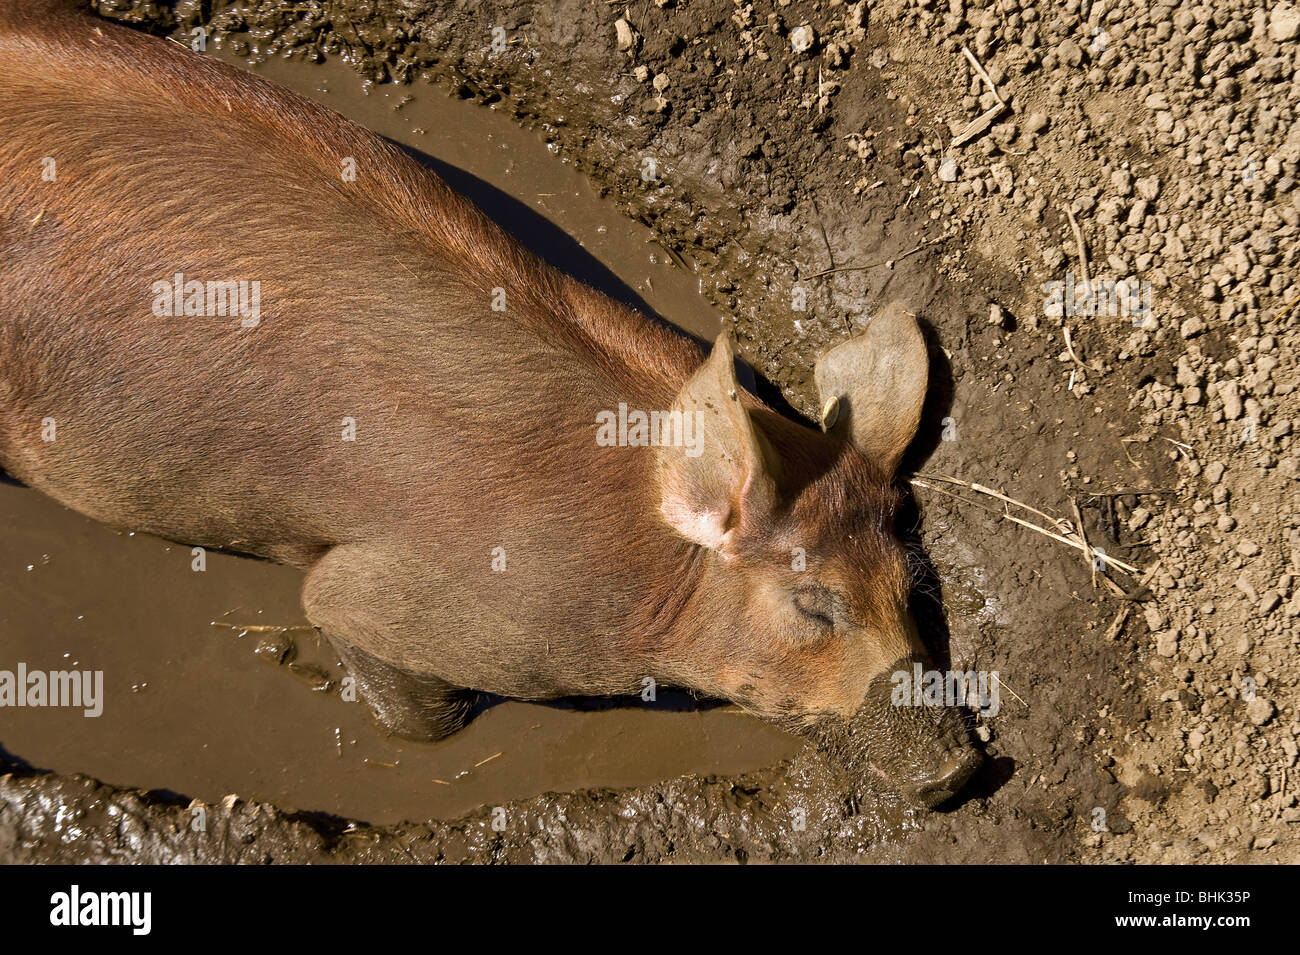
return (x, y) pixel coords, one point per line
(749, 202)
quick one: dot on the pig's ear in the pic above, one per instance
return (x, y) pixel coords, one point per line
(878, 380)
(721, 471)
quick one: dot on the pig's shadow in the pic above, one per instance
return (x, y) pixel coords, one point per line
(536, 233)
(556, 247)
(926, 601)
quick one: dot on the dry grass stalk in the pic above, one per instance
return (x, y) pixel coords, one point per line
(1071, 536)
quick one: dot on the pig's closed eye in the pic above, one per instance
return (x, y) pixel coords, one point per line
(816, 604)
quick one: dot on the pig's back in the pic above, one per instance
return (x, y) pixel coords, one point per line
(374, 308)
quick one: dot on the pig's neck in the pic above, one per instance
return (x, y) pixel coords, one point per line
(645, 364)
(666, 620)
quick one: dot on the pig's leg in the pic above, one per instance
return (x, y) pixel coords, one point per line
(351, 595)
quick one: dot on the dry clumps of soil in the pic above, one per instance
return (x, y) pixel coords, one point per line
(1169, 134)
(813, 160)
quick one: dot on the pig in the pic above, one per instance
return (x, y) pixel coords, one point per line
(387, 391)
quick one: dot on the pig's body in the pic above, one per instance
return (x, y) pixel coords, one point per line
(475, 429)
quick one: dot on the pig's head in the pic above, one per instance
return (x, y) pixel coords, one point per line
(800, 610)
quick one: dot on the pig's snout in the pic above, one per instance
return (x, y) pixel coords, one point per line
(925, 754)
(951, 775)
(922, 751)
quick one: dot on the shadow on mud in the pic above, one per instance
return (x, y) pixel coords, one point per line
(927, 588)
(927, 599)
(9, 763)
(666, 700)
(536, 233)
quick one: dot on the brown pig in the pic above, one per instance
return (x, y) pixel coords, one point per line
(234, 319)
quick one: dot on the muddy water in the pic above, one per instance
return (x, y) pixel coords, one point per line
(192, 708)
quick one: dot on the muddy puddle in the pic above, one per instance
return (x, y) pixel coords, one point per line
(190, 707)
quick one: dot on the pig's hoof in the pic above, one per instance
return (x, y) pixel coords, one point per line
(429, 722)
(409, 705)
(948, 779)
